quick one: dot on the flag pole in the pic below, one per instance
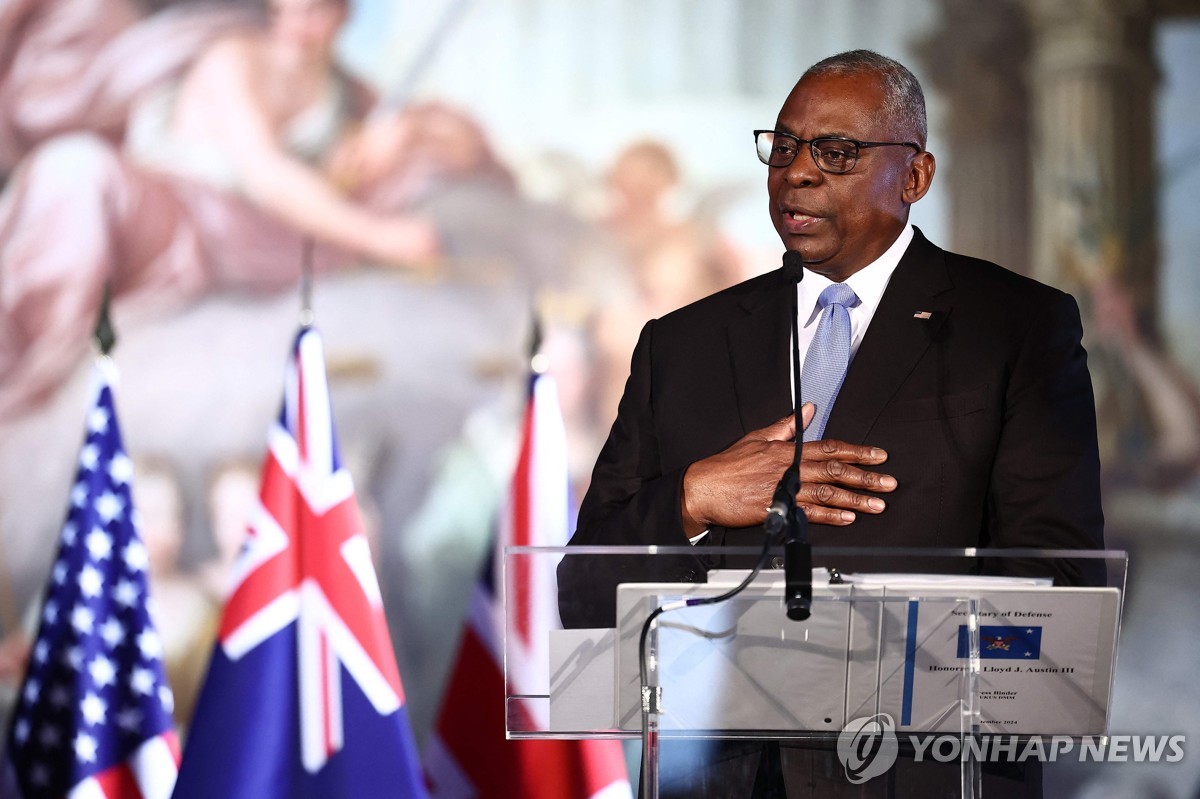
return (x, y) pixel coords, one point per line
(307, 317)
(538, 361)
(105, 335)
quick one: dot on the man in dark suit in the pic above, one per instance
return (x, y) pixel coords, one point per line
(966, 416)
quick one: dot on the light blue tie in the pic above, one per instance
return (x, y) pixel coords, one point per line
(828, 355)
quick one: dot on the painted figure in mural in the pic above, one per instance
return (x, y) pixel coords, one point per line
(190, 151)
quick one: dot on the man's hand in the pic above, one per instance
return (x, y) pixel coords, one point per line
(733, 488)
(827, 474)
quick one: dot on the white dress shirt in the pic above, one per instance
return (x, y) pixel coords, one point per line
(868, 283)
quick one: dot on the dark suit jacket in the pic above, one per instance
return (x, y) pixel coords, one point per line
(985, 409)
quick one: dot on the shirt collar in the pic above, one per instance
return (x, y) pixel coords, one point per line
(868, 283)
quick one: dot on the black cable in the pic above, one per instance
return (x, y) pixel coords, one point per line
(650, 703)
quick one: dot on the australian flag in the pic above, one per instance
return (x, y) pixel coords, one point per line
(94, 714)
(303, 698)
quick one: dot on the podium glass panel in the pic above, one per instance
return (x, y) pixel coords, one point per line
(965, 650)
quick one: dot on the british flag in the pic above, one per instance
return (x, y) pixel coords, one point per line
(93, 720)
(302, 699)
(468, 756)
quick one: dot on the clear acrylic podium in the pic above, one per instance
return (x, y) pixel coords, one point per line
(982, 649)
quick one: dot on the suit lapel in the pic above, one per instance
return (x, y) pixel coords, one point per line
(895, 340)
(758, 354)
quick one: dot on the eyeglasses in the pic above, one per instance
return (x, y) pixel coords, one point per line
(833, 154)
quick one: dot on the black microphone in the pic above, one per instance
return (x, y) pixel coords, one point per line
(793, 265)
(784, 499)
(797, 552)
(797, 572)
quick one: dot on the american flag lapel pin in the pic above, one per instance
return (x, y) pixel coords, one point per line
(922, 314)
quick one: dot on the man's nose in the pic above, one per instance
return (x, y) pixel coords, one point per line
(803, 170)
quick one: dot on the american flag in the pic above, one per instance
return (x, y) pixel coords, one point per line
(93, 719)
(468, 756)
(302, 699)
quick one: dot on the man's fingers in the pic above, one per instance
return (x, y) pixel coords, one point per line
(844, 474)
(829, 496)
(807, 412)
(820, 515)
(830, 449)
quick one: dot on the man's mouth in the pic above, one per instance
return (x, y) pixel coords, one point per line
(799, 221)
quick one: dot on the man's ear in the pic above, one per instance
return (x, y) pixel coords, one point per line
(920, 176)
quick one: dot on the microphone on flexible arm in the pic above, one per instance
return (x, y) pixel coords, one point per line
(783, 503)
(784, 515)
